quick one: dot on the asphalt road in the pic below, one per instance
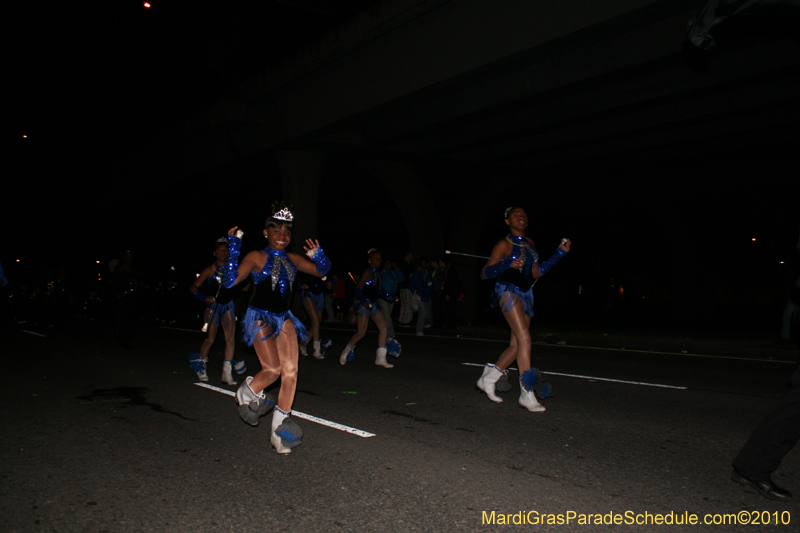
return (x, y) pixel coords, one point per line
(96, 438)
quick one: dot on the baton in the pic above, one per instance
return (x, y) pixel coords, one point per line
(448, 252)
(368, 305)
(204, 329)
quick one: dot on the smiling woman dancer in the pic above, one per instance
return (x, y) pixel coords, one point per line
(516, 272)
(368, 291)
(269, 326)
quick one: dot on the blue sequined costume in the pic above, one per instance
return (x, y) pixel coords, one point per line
(513, 284)
(517, 284)
(224, 299)
(272, 295)
(368, 295)
(315, 290)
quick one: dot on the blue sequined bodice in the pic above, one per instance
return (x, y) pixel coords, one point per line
(371, 289)
(522, 279)
(520, 246)
(279, 269)
(374, 281)
(223, 295)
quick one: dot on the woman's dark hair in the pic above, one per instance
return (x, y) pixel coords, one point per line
(509, 209)
(273, 222)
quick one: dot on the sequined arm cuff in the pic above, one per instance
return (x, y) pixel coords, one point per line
(200, 296)
(545, 266)
(492, 271)
(232, 266)
(322, 262)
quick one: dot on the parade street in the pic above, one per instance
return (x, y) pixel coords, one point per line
(96, 438)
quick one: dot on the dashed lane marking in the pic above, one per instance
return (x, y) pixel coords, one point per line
(298, 414)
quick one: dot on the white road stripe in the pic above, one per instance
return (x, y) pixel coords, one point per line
(182, 329)
(298, 414)
(600, 379)
(652, 352)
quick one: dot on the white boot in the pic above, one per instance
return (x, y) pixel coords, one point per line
(487, 380)
(380, 358)
(527, 399)
(252, 406)
(227, 368)
(345, 354)
(302, 346)
(318, 353)
(285, 433)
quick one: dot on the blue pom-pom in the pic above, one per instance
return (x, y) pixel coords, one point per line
(351, 356)
(287, 435)
(529, 378)
(198, 365)
(546, 391)
(326, 343)
(290, 433)
(503, 385)
(271, 401)
(239, 366)
(393, 347)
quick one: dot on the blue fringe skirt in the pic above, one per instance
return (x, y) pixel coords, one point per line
(256, 321)
(363, 310)
(220, 314)
(318, 299)
(512, 295)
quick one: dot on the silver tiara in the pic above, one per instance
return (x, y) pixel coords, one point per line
(508, 210)
(283, 214)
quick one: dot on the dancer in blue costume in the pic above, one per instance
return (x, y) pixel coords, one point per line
(312, 294)
(516, 267)
(268, 325)
(220, 307)
(368, 291)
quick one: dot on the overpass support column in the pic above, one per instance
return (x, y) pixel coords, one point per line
(420, 214)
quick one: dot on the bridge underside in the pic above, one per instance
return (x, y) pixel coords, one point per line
(457, 108)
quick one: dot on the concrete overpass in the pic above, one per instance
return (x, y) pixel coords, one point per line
(492, 96)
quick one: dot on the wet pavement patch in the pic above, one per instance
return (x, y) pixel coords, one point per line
(125, 396)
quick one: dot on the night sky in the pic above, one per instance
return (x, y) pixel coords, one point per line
(92, 80)
(95, 80)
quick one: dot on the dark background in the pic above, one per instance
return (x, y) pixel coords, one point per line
(94, 79)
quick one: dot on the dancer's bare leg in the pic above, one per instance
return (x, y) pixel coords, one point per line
(519, 322)
(381, 323)
(509, 355)
(267, 352)
(229, 330)
(313, 313)
(209, 341)
(287, 354)
(363, 323)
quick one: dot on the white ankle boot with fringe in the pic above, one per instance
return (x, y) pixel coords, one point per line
(285, 433)
(227, 372)
(491, 374)
(380, 358)
(253, 406)
(527, 396)
(318, 353)
(346, 354)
